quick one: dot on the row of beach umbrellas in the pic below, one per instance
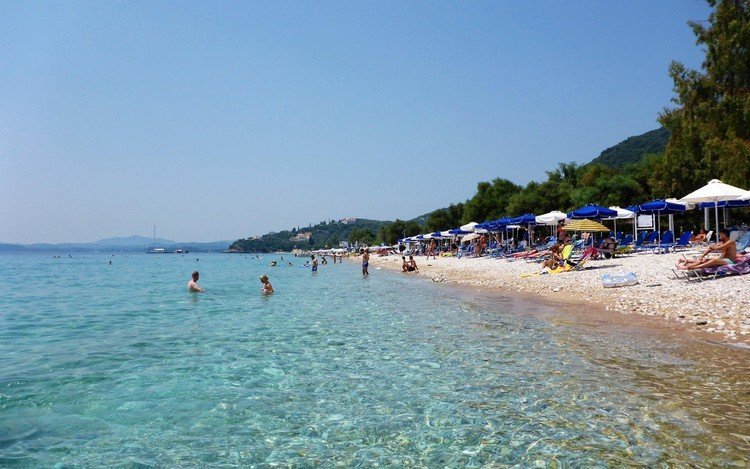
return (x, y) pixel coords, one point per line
(715, 194)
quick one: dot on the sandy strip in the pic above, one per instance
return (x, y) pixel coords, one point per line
(717, 306)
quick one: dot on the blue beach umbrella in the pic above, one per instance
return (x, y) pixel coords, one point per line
(528, 219)
(592, 211)
(660, 207)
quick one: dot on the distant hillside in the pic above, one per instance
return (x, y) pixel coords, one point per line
(633, 149)
(323, 235)
(120, 244)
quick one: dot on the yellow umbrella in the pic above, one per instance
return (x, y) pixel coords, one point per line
(585, 225)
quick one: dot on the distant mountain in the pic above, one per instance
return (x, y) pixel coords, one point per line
(120, 244)
(132, 241)
(633, 149)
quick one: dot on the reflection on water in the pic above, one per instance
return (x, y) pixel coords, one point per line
(336, 369)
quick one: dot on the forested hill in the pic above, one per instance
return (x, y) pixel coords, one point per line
(326, 234)
(634, 149)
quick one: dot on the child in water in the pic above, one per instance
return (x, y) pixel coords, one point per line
(267, 287)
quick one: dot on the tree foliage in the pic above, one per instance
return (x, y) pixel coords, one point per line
(711, 124)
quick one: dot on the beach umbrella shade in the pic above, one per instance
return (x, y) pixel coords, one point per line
(551, 218)
(469, 237)
(661, 207)
(622, 214)
(592, 211)
(469, 226)
(715, 191)
(585, 224)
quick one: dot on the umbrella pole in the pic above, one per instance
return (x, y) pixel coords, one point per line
(716, 209)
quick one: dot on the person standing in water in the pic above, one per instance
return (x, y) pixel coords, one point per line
(193, 284)
(267, 287)
(314, 263)
(365, 262)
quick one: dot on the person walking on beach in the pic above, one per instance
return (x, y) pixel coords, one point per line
(365, 262)
(267, 287)
(193, 284)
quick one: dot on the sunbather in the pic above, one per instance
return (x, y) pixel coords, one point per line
(607, 247)
(556, 258)
(699, 238)
(728, 255)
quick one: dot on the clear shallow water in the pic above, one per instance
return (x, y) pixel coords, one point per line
(118, 365)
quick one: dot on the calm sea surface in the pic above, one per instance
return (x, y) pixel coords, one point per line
(105, 365)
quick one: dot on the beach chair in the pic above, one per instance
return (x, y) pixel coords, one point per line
(666, 242)
(744, 242)
(683, 242)
(641, 238)
(626, 240)
(740, 267)
(648, 243)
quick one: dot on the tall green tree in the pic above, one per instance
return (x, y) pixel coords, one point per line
(711, 124)
(490, 201)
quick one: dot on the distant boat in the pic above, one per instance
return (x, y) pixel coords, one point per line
(153, 249)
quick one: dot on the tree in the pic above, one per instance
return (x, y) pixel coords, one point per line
(490, 202)
(711, 125)
(445, 218)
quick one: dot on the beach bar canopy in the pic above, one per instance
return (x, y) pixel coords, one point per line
(715, 191)
(592, 211)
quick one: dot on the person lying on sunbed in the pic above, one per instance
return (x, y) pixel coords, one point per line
(700, 237)
(607, 247)
(728, 255)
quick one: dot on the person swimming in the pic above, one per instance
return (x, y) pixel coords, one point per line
(273, 263)
(267, 287)
(193, 283)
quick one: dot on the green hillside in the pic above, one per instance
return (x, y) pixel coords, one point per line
(633, 149)
(326, 234)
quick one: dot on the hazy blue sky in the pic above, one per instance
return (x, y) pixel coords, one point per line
(218, 120)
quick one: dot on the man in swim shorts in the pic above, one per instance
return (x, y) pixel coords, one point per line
(365, 262)
(728, 250)
(314, 263)
(193, 283)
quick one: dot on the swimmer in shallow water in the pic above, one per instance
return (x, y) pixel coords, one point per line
(193, 283)
(267, 287)
(273, 263)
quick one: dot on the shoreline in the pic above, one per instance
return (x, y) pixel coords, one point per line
(717, 308)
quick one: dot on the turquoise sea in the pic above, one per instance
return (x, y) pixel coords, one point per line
(118, 365)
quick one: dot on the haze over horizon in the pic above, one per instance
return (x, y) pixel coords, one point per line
(225, 120)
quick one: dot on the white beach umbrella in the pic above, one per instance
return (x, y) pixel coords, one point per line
(715, 191)
(622, 214)
(469, 237)
(551, 218)
(469, 226)
(446, 234)
(746, 196)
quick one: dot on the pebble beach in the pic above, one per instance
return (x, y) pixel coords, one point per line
(720, 306)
